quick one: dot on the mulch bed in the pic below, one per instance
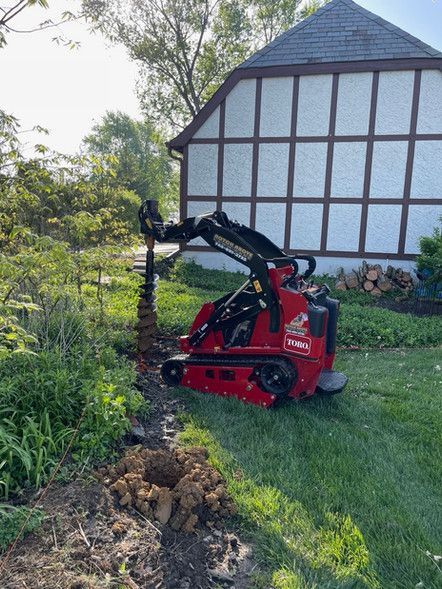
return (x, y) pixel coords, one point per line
(91, 538)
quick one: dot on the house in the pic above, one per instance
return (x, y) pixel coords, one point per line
(328, 141)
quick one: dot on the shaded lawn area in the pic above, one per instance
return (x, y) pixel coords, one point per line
(338, 492)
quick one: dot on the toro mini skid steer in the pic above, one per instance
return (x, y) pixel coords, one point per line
(275, 337)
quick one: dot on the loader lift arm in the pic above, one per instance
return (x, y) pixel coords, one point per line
(242, 244)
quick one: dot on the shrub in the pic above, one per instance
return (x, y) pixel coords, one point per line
(42, 397)
(373, 327)
(430, 258)
(196, 276)
(179, 303)
(361, 322)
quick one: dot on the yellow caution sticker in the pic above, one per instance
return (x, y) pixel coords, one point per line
(257, 286)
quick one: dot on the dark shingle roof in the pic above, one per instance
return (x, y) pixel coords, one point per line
(341, 31)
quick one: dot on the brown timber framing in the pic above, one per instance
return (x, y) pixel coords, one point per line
(410, 160)
(291, 170)
(220, 169)
(329, 164)
(255, 157)
(181, 142)
(368, 162)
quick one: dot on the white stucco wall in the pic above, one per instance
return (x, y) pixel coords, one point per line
(353, 107)
(237, 211)
(198, 208)
(202, 170)
(310, 162)
(240, 109)
(421, 221)
(343, 227)
(395, 94)
(430, 102)
(314, 105)
(210, 128)
(427, 170)
(348, 169)
(273, 169)
(387, 180)
(276, 107)
(388, 169)
(383, 226)
(237, 172)
(305, 233)
(270, 220)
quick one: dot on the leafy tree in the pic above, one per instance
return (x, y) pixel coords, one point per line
(183, 46)
(142, 164)
(186, 48)
(62, 219)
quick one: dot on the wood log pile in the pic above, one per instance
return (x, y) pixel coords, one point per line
(373, 279)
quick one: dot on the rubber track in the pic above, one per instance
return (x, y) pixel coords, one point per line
(244, 361)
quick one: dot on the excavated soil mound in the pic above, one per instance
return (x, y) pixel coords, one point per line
(175, 487)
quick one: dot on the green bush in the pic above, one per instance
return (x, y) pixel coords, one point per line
(430, 257)
(178, 304)
(12, 520)
(42, 397)
(196, 276)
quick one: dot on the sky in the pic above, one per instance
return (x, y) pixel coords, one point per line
(67, 91)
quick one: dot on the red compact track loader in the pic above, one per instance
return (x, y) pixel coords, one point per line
(275, 337)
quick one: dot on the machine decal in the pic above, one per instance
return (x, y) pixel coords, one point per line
(296, 325)
(257, 286)
(231, 248)
(299, 344)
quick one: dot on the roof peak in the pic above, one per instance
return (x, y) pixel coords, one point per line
(341, 30)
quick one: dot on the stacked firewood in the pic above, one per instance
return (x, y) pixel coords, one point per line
(373, 279)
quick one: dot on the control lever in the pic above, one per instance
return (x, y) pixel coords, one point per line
(313, 297)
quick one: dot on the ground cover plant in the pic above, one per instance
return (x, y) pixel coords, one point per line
(64, 224)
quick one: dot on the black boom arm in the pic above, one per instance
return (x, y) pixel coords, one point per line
(245, 245)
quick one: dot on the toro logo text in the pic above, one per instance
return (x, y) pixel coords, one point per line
(298, 344)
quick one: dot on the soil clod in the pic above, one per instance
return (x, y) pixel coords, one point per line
(178, 486)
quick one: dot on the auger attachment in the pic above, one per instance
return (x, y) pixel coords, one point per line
(147, 308)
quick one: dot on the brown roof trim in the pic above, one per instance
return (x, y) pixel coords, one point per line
(186, 135)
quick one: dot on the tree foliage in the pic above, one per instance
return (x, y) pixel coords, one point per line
(9, 13)
(429, 260)
(186, 48)
(61, 219)
(142, 163)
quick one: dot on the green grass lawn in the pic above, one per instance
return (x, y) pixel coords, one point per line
(338, 492)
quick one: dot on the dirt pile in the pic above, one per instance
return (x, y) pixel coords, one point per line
(175, 487)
